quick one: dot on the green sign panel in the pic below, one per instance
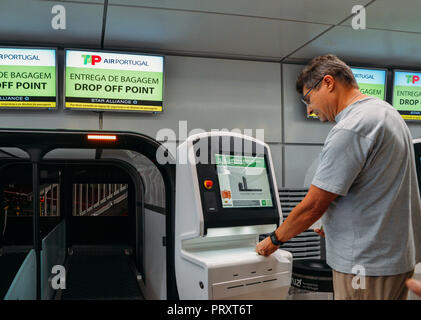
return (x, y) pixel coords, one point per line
(27, 78)
(407, 94)
(113, 81)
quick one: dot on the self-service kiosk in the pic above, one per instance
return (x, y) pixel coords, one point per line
(226, 196)
(417, 153)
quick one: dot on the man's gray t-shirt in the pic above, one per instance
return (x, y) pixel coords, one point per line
(368, 159)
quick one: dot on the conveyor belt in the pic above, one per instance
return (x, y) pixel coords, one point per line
(97, 274)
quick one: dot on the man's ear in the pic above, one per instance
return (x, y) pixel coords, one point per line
(330, 82)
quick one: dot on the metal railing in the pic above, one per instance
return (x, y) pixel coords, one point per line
(95, 199)
(50, 200)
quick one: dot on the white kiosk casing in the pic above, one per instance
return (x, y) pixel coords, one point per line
(417, 271)
(215, 255)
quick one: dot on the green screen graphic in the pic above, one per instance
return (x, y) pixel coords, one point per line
(113, 82)
(243, 181)
(27, 78)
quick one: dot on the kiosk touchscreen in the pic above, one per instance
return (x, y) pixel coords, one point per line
(226, 196)
(244, 181)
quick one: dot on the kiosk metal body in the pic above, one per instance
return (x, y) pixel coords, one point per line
(216, 230)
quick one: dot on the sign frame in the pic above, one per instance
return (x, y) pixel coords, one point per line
(393, 87)
(112, 52)
(55, 49)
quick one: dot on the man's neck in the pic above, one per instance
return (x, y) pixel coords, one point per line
(348, 97)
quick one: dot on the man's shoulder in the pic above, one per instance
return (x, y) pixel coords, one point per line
(367, 117)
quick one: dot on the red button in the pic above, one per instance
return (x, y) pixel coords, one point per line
(208, 184)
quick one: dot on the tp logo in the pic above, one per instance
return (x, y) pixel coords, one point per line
(90, 59)
(412, 79)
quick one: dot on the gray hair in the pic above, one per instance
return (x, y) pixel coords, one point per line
(321, 66)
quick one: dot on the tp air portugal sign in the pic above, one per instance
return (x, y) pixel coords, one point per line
(105, 81)
(27, 78)
(407, 94)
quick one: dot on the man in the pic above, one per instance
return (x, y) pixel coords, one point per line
(414, 286)
(365, 187)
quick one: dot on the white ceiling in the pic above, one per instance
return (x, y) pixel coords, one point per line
(271, 30)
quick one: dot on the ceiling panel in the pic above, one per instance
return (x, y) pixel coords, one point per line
(69, 1)
(30, 21)
(393, 15)
(202, 93)
(204, 33)
(320, 11)
(366, 46)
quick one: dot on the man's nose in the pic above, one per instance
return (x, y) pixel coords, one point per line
(309, 110)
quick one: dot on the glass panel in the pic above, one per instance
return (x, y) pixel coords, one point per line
(23, 286)
(53, 253)
(52, 231)
(69, 154)
(13, 153)
(152, 178)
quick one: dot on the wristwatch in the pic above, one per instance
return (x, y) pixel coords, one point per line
(275, 240)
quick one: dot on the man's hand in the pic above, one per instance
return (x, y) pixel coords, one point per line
(304, 215)
(414, 286)
(266, 247)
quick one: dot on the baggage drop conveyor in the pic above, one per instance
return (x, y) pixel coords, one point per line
(101, 260)
(102, 273)
(88, 235)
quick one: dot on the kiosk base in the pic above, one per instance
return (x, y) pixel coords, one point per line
(236, 273)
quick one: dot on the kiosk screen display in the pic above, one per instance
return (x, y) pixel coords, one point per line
(105, 81)
(27, 78)
(243, 181)
(407, 94)
(371, 82)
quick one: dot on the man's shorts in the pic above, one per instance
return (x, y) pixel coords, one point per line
(352, 287)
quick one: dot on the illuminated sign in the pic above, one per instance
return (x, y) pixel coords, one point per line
(107, 81)
(407, 94)
(27, 78)
(371, 82)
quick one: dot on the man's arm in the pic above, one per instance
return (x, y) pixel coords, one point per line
(307, 212)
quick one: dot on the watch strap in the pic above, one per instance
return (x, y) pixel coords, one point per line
(275, 240)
